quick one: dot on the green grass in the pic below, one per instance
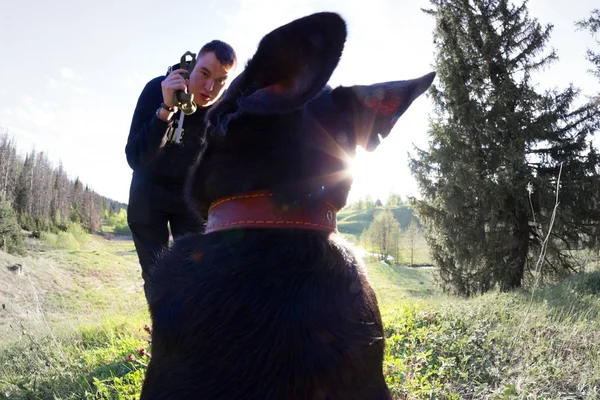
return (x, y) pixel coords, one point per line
(498, 346)
(65, 287)
(395, 284)
(73, 323)
(103, 361)
(73, 328)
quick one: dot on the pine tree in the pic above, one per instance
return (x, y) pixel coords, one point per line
(592, 24)
(11, 239)
(23, 191)
(45, 198)
(493, 136)
(8, 167)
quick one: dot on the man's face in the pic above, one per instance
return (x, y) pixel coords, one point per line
(208, 79)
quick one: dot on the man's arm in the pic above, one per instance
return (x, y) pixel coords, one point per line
(147, 133)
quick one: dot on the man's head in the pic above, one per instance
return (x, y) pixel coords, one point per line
(216, 60)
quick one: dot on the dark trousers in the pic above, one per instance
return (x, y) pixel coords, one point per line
(152, 209)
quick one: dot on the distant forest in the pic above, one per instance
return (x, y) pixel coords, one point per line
(44, 197)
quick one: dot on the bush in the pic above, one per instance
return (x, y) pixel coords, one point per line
(122, 229)
(42, 224)
(78, 233)
(27, 222)
(66, 241)
(72, 239)
(119, 222)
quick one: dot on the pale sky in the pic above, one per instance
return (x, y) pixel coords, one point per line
(72, 71)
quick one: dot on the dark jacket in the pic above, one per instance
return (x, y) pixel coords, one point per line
(153, 159)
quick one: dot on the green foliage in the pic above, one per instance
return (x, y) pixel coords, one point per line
(27, 222)
(105, 362)
(592, 24)
(499, 346)
(122, 229)
(39, 225)
(24, 185)
(398, 285)
(75, 214)
(411, 235)
(11, 239)
(496, 141)
(44, 197)
(367, 203)
(394, 200)
(118, 221)
(66, 241)
(73, 238)
(355, 221)
(383, 235)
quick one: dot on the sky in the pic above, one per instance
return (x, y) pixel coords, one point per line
(71, 71)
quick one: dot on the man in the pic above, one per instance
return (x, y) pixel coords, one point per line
(160, 152)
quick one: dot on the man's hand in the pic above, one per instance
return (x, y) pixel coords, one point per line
(171, 84)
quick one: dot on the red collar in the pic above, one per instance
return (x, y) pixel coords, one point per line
(258, 210)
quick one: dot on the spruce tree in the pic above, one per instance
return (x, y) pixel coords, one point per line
(11, 239)
(592, 24)
(23, 190)
(493, 137)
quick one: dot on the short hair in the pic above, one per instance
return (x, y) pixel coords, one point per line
(223, 51)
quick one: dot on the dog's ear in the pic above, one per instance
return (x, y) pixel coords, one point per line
(291, 65)
(376, 108)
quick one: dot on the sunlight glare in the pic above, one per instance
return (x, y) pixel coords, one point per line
(366, 174)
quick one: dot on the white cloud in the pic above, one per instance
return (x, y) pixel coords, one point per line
(52, 83)
(32, 112)
(68, 79)
(22, 113)
(68, 73)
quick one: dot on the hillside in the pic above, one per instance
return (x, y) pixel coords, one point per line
(73, 328)
(354, 222)
(59, 287)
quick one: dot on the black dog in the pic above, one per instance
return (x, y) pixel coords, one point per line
(269, 303)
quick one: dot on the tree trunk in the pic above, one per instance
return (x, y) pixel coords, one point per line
(513, 278)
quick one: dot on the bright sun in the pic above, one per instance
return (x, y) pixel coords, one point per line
(367, 176)
(381, 173)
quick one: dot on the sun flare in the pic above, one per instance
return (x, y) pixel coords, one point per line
(366, 174)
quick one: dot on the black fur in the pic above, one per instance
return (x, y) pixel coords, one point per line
(276, 314)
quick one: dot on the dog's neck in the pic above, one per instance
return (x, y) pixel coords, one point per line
(259, 210)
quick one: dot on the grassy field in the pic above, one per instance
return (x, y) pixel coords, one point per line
(73, 327)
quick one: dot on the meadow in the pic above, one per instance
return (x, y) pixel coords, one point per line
(74, 325)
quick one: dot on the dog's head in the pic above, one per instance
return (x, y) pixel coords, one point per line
(280, 128)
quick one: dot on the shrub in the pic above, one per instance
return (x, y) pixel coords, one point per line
(66, 241)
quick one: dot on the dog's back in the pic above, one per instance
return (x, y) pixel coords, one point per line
(270, 303)
(264, 315)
